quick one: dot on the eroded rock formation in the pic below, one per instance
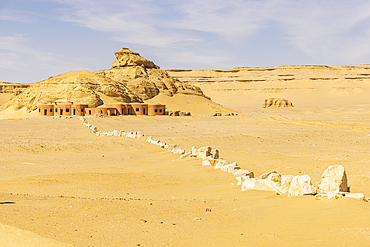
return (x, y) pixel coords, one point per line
(132, 78)
(144, 78)
(76, 86)
(273, 102)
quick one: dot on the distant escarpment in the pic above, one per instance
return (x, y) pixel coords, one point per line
(132, 78)
(12, 88)
(294, 74)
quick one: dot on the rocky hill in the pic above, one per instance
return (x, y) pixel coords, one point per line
(131, 79)
(144, 78)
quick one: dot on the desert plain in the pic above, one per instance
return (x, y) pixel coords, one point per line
(60, 185)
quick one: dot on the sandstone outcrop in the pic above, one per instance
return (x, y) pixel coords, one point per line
(334, 179)
(144, 78)
(76, 86)
(273, 102)
(127, 58)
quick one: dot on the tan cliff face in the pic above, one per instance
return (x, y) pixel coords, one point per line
(246, 88)
(132, 79)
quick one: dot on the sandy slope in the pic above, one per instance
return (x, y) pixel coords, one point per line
(194, 104)
(4, 97)
(12, 236)
(72, 186)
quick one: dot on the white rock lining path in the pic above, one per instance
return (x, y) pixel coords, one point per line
(332, 186)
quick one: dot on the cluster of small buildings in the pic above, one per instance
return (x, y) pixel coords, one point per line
(113, 109)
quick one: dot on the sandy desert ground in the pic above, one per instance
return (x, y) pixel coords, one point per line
(62, 184)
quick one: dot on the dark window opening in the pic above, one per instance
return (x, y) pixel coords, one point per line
(160, 110)
(67, 110)
(51, 110)
(137, 109)
(89, 112)
(56, 110)
(39, 110)
(45, 112)
(74, 111)
(155, 110)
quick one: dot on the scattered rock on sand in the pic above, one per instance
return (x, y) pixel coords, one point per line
(301, 185)
(334, 179)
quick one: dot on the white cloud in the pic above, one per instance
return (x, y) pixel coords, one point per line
(19, 61)
(332, 30)
(322, 29)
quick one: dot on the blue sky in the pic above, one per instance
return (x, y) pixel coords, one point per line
(42, 38)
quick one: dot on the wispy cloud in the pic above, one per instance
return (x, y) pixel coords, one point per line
(322, 29)
(333, 30)
(13, 49)
(17, 55)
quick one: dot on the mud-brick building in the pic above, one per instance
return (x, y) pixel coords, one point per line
(156, 109)
(109, 111)
(78, 109)
(112, 109)
(46, 110)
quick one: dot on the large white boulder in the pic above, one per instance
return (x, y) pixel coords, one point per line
(285, 183)
(230, 168)
(221, 163)
(334, 179)
(301, 185)
(255, 184)
(204, 152)
(243, 173)
(209, 161)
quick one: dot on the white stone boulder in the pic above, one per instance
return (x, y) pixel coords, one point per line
(285, 182)
(230, 168)
(243, 174)
(221, 163)
(185, 155)
(178, 151)
(170, 147)
(255, 184)
(358, 196)
(301, 185)
(334, 179)
(204, 152)
(149, 139)
(116, 133)
(328, 196)
(209, 161)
